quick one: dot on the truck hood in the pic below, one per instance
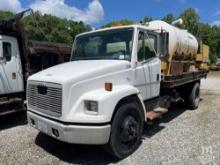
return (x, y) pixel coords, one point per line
(79, 70)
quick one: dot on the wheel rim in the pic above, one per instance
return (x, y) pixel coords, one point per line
(129, 130)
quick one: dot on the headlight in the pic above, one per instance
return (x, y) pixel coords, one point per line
(91, 106)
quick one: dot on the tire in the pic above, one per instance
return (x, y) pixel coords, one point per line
(193, 97)
(126, 130)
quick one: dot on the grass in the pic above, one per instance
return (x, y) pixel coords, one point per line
(214, 73)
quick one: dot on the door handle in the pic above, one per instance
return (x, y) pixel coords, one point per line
(158, 77)
(13, 75)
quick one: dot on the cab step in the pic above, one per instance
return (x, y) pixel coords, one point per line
(155, 114)
(11, 105)
(10, 101)
(11, 111)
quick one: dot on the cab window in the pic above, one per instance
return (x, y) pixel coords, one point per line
(7, 50)
(146, 46)
(101, 45)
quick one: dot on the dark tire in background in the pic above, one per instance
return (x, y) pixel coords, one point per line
(126, 130)
(192, 96)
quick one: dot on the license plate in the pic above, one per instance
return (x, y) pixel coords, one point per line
(42, 126)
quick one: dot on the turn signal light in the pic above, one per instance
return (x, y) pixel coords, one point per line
(108, 86)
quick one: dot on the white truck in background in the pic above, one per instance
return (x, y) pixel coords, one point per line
(19, 58)
(218, 62)
(116, 80)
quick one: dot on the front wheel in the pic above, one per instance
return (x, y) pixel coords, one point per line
(126, 131)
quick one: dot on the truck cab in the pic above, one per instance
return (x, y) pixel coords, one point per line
(10, 69)
(101, 96)
(110, 70)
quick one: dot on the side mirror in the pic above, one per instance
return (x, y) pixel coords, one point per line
(163, 44)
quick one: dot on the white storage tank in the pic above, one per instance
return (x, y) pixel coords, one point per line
(182, 44)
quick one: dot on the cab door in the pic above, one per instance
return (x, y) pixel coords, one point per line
(148, 66)
(3, 86)
(10, 61)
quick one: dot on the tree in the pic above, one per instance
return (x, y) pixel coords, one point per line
(214, 43)
(190, 20)
(147, 19)
(50, 28)
(5, 14)
(204, 30)
(119, 23)
(210, 35)
(169, 18)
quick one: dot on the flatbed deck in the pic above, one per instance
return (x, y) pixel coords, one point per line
(178, 80)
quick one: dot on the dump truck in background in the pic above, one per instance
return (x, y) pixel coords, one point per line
(126, 76)
(20, 58)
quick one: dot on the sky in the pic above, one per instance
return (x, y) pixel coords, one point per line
(99, 12)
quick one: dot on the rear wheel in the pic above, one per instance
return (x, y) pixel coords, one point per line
(192, 97)
(126, 131)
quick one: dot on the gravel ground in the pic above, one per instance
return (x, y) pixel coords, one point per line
(180, 137)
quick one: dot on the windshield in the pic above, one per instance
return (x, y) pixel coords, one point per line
(111, 44)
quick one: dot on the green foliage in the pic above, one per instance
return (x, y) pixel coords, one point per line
(211, 36)
(204, 30)
(5, 14)
(126, 22)
(169, 18)
(147, 19)
(190, 20)
(50, 28)
(119, 23)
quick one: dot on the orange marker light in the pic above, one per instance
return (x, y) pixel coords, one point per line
(108, 86)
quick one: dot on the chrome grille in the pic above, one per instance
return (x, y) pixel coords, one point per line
(45, 97)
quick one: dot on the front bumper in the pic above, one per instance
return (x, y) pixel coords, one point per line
(77, 134)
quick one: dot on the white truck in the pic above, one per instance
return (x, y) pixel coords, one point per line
(218, 62)
(20, 58)
(117, 79)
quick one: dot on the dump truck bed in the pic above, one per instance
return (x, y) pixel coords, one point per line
(35, 55)
(43, 55)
